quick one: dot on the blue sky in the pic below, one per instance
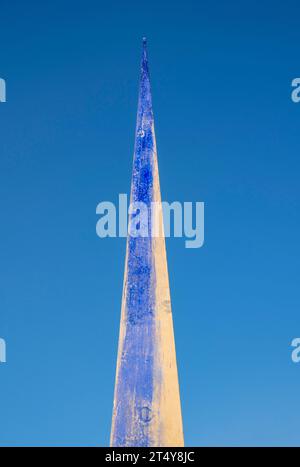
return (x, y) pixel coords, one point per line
(227, 134)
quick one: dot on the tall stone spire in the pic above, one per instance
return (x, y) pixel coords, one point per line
(146, 408)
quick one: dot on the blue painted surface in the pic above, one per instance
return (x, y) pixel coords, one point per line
(135, 378)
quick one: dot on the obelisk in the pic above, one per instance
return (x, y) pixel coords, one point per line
(146, 409)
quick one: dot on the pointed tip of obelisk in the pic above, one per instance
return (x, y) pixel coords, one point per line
(144, 41)
(144, 63)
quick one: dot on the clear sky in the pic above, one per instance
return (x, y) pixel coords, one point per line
(227, 134)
